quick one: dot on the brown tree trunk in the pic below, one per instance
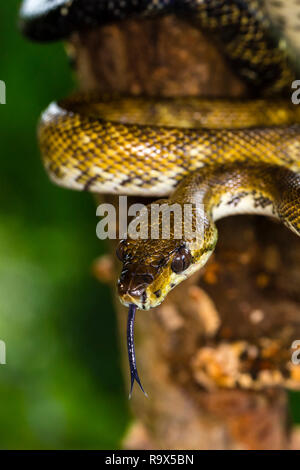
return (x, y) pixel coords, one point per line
(215, 357)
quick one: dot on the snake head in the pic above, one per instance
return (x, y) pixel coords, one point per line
(151, 268)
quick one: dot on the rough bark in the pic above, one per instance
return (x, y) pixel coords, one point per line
(215, 357)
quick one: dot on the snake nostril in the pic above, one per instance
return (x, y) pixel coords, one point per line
(147, 278)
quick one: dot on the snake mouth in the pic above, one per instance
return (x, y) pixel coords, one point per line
(133, 283)
(128, 300)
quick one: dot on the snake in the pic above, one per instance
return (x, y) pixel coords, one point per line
(220, 156)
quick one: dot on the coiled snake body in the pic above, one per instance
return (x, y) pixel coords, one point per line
(230, 156)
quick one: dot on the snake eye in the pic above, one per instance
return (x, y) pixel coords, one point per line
(181, 260)
(120, 251)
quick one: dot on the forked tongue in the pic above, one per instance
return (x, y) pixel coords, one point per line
(131, 351)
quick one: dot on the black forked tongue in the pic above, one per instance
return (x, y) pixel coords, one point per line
(131, 351)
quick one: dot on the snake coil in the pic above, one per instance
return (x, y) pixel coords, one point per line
(229, 156)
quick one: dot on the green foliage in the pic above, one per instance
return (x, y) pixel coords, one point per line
(62, 385)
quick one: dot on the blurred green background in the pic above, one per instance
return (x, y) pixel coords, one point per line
(62, 387)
